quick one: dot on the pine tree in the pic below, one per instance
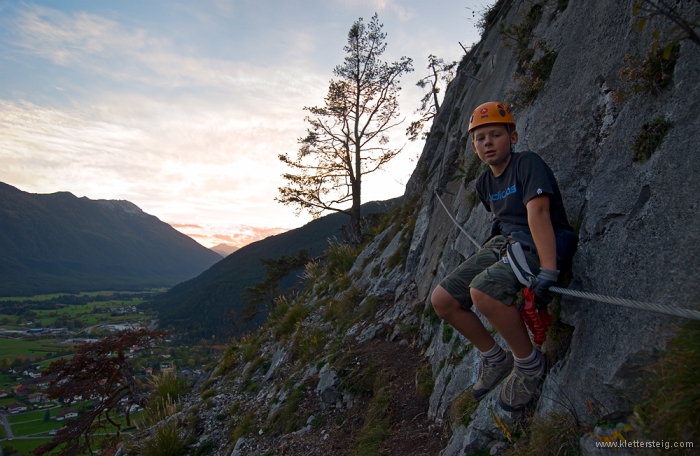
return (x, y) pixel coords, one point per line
(347, 138)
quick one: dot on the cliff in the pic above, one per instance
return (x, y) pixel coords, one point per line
(305, 380)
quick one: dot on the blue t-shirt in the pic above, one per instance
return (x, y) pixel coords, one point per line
(507, 195)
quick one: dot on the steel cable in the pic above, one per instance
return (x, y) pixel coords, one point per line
(651, 307)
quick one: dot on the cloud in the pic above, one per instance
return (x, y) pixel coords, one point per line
(234, 235)
(112, 50)
(186, 225)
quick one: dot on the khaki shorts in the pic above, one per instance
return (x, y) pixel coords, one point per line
(486, 271)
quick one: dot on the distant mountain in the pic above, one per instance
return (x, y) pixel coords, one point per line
(224, 249)
(201, 307)
(60, 243)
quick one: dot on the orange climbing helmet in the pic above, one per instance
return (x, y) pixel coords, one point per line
(489, 113)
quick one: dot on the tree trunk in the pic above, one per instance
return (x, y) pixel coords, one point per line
(355, 216)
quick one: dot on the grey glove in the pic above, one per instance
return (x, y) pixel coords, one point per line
(545, 279)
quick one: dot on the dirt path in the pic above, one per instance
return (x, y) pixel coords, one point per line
(411, 432)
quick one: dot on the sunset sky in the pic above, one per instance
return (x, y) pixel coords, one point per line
(182, 107)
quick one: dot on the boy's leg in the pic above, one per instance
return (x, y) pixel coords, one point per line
(464, 321)
(493, 293)
(452, 302)
(506, 320)
(496, 363)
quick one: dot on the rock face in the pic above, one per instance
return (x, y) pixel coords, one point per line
(637, 222)
(638, 219)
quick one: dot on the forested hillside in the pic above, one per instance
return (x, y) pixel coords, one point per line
(211, 304)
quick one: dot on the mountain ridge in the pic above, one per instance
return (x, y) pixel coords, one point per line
(58, 242)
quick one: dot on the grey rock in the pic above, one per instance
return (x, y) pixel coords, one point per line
(277, 359)
(327, 385)
(498, 449)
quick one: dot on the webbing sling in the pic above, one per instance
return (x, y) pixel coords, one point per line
(538, 321)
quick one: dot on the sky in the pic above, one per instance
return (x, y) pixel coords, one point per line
(182, 107)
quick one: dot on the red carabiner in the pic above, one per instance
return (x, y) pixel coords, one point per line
(538, 321)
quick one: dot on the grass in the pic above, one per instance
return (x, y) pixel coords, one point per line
(34, 347)
(26, 446)
(165, 442)
(447, 332)
(342, 311)
(290, 321)
(462, 408)
(671, 410)
(31, 416)
(284, 419)
(35, 427)
(245, 427)
(308, 345)
(556, 434)
(425, 382)
(376, 427)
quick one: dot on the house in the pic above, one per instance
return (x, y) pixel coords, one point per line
(20, 390)
(16, 408)
(65, 414)
(37, 397)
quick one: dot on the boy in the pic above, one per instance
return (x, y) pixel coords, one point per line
(522, 193)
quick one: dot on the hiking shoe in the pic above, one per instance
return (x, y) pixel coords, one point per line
(490, 375)
(519, 389)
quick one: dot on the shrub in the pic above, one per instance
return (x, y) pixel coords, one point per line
(532, 78)
(517, 36)
(650, 138)
(654, 72)
(490, 14)
(447, 332)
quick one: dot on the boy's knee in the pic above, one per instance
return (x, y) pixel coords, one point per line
(443, 302)
(479, 298)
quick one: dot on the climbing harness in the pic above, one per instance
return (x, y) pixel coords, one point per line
(648, 306)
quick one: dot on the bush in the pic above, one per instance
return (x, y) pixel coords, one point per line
(532, 78)
(650, 138)
(654, 72)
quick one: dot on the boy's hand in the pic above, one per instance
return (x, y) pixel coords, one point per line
(545, 279)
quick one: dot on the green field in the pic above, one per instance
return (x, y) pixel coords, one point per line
(36, 347)
(26, 446)
(31, 416)
(35, 427)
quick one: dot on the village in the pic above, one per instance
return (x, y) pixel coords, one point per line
(29, 416)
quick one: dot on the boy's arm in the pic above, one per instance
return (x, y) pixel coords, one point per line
(540, 223)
